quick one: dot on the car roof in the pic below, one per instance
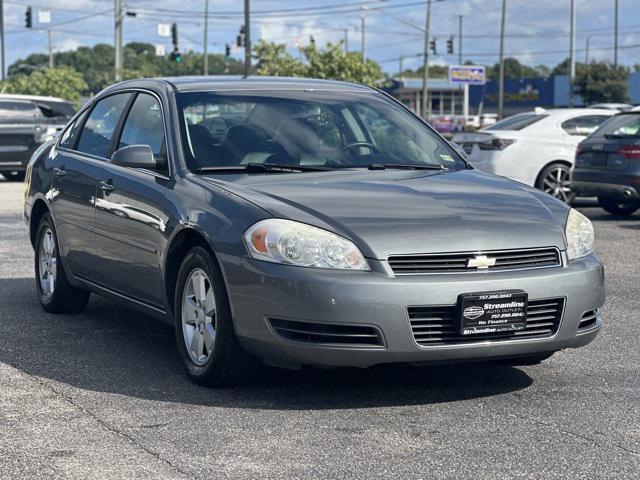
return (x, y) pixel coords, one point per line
(224, 82)
(17, 96)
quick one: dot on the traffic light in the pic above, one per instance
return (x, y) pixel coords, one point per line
(174, 36)
(176, 56)
(227, 50)
(28, 18)
(432, 46)
(450, 46)
(240, 38)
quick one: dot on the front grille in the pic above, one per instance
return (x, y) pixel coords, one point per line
(328, 333)
(588, 319)
(458, 262)
(437, 325)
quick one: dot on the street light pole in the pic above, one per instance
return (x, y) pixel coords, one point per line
(2, 38)
(118, 40)
(586, 52)
(615, 41)
(501, 74)
(425, 74)
(50, 48)
(363, 37)
(346, 40)
(247, 39)
(206, 38)
(572, 52)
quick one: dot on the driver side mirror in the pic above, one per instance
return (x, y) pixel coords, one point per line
(459, 150)
(135, 156)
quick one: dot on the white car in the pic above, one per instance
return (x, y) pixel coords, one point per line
(536, 148)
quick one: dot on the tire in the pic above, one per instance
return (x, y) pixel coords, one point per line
(536, 359)
(55, 293)
(615, 207)
(211, 354)
(13, 176)
(555, 179)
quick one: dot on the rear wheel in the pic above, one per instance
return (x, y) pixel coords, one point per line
(13, 176)
(555, 180)
(55, 292)
(204, 329)
(616, 207)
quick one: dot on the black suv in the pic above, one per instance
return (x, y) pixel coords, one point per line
(608, 164)
(25, 123)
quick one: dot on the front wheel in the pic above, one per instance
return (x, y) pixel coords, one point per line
(55, 292)
(204, 329)
(555, 180)
(615, 207)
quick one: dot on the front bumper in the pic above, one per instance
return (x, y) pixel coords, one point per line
(617, 185)
(260, 290)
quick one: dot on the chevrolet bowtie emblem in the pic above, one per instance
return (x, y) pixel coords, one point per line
(481, 262)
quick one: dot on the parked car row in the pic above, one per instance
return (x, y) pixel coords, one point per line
(566, 153)
(26, 122)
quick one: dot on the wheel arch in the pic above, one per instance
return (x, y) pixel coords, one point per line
(39, 209)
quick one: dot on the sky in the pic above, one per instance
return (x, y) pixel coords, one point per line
(537, 31)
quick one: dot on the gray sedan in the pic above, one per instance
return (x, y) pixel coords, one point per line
(302, 222)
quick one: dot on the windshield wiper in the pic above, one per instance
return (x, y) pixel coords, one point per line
(263, 168)
(405, 166)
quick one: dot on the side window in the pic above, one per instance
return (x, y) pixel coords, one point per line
(12, 112)
(144, 126)
(95, 138)
(584, 125)
(70, 135)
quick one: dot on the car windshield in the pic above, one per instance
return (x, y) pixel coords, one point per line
(517, 122)
(620, 126)
(310, 129)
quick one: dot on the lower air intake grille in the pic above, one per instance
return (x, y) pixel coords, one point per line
(468, 261)
(437, 325)
(327, 333)
(588, 319)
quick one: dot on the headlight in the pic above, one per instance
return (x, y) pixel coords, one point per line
(579, 233)
(293, 243)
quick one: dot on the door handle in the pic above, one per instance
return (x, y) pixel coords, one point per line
(59, 172)
(106, 187)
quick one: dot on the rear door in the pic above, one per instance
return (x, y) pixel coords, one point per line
(132, 214)
(78, 167)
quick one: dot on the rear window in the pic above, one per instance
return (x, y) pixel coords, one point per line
(620, 126)
(517, 122)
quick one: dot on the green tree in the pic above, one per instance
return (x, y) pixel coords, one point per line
(513, 69)
(601, 82)
(330, 62)
(60, 82)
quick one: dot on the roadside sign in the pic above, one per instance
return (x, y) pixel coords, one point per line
(160, 50)
(467, 74)
(164, 29)
(44, 16)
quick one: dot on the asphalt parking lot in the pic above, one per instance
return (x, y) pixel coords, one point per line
(102, 395)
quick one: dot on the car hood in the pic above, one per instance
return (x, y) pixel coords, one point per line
(400, 212)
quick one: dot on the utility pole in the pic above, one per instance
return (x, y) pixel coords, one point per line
(119, 17)
(586, 50)
(247, 39)
(460, 17)
(615, 41)
(363, 37)
(401, 66)
(2, 38)
(425, 74)
(465, 87)
(572, 52)
(50, 48)
(206, 39)
(501, 75)
(346, 40)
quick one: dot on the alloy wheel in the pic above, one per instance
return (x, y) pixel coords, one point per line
(47, 267)
(198, 316)
(557, 183)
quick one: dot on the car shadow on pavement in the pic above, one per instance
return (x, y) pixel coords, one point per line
(112, 349)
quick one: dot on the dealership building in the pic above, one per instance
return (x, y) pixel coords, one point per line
(519, 94)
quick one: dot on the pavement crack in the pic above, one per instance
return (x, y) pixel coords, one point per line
(119, 432)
